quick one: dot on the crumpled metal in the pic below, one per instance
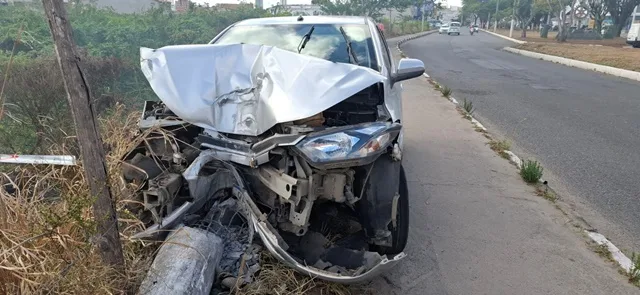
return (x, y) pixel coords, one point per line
(246, 89)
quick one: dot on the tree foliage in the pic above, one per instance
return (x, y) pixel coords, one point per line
(372, 8)
(597, 10)
(620, 11)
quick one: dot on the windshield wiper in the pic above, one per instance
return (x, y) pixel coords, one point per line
(352, 56)
(305, 39)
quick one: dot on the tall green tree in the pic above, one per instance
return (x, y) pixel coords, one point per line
(372, 8)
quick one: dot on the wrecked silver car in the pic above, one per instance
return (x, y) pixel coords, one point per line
(296, 119)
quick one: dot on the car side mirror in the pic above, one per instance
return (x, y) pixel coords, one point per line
(408, 68)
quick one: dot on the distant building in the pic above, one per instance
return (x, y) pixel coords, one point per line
(259, 4)
(179, 5)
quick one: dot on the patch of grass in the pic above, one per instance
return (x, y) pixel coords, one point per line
(446, 91)
(603, 252)
(478, 129)
(500, 146)
(547, 195)
(531, 171)
(467, 106)
(634, 272)
(618, 57)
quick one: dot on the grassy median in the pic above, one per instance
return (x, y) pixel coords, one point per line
(608, 52)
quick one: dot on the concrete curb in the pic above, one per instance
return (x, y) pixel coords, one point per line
(632, 75)
(623, 261)
(413, 37)
(617, 255)
(504, 37)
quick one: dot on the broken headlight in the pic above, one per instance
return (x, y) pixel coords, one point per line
(361, 141)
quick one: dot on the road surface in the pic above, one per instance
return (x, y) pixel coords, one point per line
(583, 127)
(475, 226)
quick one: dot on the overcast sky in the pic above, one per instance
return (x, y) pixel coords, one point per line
(269, 3)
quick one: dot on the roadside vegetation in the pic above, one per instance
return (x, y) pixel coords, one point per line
(446, 91)
(531, 171)
(501, 147)
(467, 106)
(618, 57)
(600, 43)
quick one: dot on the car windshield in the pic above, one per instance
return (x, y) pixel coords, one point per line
(326, 42)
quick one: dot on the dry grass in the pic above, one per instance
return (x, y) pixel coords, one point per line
(275, 278)
(625, 58)
(534, 36)
(46, 226)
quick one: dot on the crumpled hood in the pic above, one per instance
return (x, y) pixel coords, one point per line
(247, 89)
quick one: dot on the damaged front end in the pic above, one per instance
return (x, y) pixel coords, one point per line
(323, 188)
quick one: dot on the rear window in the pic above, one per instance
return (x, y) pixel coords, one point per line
(455, 25)
(326, 41)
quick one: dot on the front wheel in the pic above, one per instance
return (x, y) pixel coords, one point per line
(399, 232)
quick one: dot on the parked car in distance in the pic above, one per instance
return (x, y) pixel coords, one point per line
(454, 28)
(475, 28)
(633, 36)
(444, 29)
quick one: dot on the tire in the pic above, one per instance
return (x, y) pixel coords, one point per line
(400, 234)
(449, 34)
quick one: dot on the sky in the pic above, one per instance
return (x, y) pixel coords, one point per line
(269, 3)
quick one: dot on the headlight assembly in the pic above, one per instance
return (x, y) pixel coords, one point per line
(357, 142)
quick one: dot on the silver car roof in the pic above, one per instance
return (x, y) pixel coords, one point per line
(359, 20)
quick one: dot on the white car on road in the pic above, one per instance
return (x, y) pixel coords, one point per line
(454, 28)
(444, 28)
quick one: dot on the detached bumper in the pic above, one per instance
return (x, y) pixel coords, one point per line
(270, 241)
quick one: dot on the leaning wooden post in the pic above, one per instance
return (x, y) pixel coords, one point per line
(87, 132)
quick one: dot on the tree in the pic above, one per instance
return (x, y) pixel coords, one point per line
(620, 11)
(372, 8)
(598, 11)
(524, 13)
(91, 148)
(560, 7)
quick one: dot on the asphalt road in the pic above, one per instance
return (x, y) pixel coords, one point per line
(583, 127)
(475, 226)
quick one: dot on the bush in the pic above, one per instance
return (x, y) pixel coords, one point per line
(531, 171)
(36, 113)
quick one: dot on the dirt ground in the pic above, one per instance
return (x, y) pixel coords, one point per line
(534, 36)
(625, 58)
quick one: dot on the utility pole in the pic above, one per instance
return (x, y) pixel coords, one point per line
(422, 14)
(87, 133)
(488, 20)
(512, 17)
(495, 26)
